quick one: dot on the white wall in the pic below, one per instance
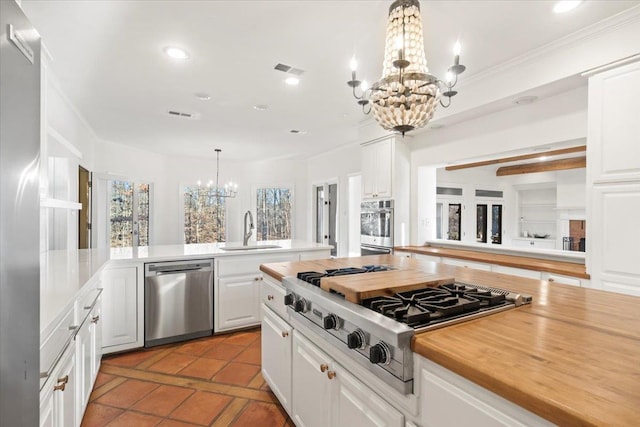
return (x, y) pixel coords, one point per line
(335, 165)
(169, 174)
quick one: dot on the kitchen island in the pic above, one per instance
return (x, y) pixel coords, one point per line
(571, 356)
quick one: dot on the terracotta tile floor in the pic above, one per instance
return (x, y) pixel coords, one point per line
(213, 381)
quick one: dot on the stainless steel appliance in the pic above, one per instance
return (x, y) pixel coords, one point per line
(178, 301)
(376, 227)
(377, 332)
(19, 217)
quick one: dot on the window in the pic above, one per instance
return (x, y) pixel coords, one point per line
(204, 215)
(128, 214)
(273, 213)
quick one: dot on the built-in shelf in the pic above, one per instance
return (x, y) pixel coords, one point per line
(59, 204)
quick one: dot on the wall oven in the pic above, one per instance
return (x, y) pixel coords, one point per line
(376, 227)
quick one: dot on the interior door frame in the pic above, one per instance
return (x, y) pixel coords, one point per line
(325, 231)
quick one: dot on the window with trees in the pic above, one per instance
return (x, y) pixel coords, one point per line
(204, 215)
(273, 213)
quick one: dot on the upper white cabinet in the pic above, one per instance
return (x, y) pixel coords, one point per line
(385, 169)
(613, 179)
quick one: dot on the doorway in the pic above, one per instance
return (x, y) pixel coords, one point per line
(84, 216)
(128, 213)
(326, 215)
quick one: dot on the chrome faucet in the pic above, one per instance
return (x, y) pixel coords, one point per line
(245, 241)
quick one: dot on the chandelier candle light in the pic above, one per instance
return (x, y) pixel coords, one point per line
(406, 96)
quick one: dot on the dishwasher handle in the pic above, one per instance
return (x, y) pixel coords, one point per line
(177, 267)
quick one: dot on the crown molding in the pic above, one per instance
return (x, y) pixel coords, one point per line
(628, 60)
(622, 19)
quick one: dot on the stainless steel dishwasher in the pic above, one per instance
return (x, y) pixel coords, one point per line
(178, 301)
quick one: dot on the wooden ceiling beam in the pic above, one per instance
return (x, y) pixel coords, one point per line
(521, 157)
(552, 165)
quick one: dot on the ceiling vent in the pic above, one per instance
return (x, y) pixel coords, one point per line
(298, 132)
(192, 116)
(289, 69)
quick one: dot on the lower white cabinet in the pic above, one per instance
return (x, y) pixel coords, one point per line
(239, 298)
(277, 336)
(446, 399)
(534, 243)
(559, 278)
(521, 272)
(423, 257)
(58, 401)
(468, 264)
(122, 307)
(88, 353)
(325, 394)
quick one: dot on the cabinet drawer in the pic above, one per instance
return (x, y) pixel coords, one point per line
(464, 263)
(249, 264)
(423, 257)
(531, 274)
(558, 278)
(55, 344)
(272, 295)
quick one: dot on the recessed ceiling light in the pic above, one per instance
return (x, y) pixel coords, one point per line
(261, 107)
(566, 5)
(524, 100)
(203, 96)
(176, 52)
(292, 81)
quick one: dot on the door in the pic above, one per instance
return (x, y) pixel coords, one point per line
(326, 215)
(311, 386)
(454, 225)
(84, 216)
(496, 224)
(128, 213)
(276, 356)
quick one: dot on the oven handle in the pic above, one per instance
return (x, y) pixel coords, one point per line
(376, 249)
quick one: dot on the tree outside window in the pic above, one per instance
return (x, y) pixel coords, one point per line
(273, 214)
(204, 215)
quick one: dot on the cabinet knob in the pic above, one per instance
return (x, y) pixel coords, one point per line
(59, 387)
(256, 278)
(285, 334)
(331, 375)
(551, 279)
(324, 367)
(95, 319)
(270, 297)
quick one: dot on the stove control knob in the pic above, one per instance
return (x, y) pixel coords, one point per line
(379, 353)
(331, 321)
(356, 339)
(289, 299)
(300, 305)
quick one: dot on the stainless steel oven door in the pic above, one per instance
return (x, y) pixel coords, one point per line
(376, 227)
(374, 250)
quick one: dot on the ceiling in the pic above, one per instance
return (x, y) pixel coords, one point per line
(109, 60)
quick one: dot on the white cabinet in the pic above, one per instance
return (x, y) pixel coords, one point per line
(422, 257)
(326, 394)
(122, 306)
(534, 243)
(272, 296)
(558, 278)
(377, 170)
(446, 399)
(277, 336)
(88, 351)
(58, 401)
(237, 289)
(468, 264)
(521, 272)
(613, 179)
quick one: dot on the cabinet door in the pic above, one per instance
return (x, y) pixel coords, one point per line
(368, 171)
(120, 306)
(84, 365)
(47, 416)
(532, 274)
(383, 173)
(64, 395)
(468, 264)
(239, 303)
(357, 406)
(96, 337)
(276, 356)
(312, 389)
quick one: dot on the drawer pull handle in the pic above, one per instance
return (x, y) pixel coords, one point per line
(64, 379)
(285, 334)
(95, 319)
(270, 297)
(331, 375)
(59, 387)
(551, 279)
(324, 367)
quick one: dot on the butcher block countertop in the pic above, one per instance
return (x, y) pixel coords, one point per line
(572, 356)
(516, 261)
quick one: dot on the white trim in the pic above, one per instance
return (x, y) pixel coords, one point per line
(47, 202)
(64, 141)
(46, 51)
(609, 24)
(628, 60)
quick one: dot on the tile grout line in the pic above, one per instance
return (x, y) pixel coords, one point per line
(230, 413)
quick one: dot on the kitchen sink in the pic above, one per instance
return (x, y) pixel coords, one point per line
(249, 248)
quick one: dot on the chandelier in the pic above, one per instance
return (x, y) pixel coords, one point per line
(406, 96)
(230, 189)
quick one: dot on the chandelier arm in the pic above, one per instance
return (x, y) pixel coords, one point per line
(448, 104)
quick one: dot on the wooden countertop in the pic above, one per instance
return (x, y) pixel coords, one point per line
(537, 264)
(572, 356)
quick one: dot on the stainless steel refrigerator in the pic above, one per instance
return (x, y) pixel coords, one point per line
(19, 218)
